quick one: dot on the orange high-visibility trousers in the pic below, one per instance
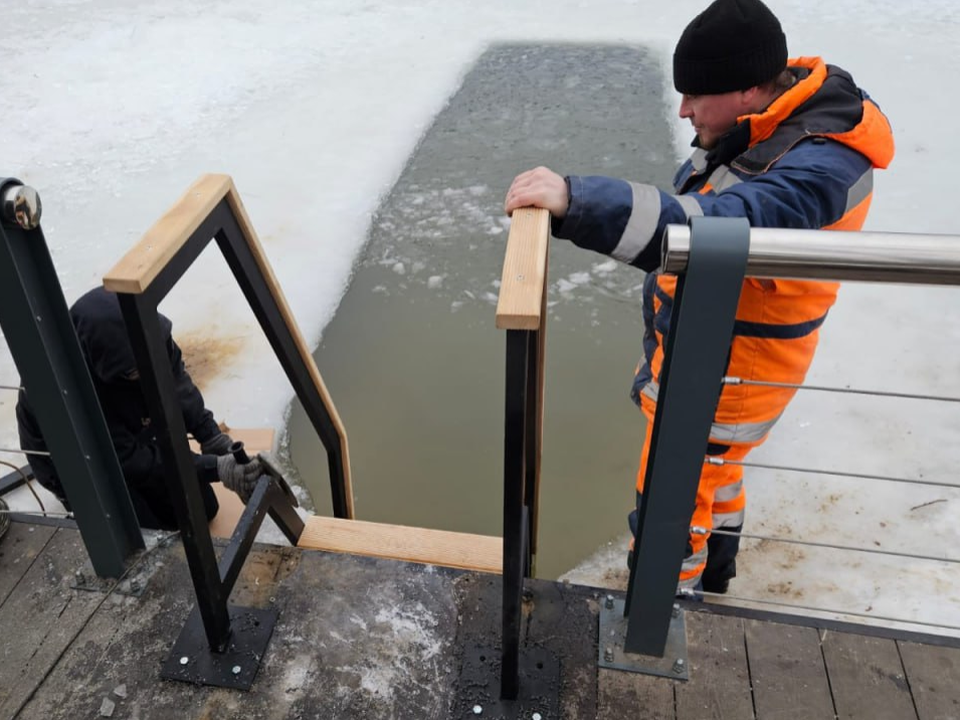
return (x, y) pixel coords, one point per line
(720, 504)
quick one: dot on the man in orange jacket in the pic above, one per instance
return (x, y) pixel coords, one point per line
(784, 143)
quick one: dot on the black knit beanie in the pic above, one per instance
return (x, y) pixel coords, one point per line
(732, 45)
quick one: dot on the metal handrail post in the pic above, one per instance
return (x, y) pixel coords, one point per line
(521, 311)
(44, 346)
(516, 546)
(701, 325)
(255, 288)
(159, 389)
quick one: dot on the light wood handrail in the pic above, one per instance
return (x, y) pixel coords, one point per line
(409, 544)
(161, 243)
(522, 306)
(524, 271)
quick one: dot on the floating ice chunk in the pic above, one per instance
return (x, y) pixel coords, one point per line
(579, 278)
(564, 285)
(435, 281)
(495, 230)
(399, 269)
(418, 266)
(380, 289)
(456, 305)
(605, 267)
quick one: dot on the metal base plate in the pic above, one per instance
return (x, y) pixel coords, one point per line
(480, 686)
(613, 631)
(192, 661)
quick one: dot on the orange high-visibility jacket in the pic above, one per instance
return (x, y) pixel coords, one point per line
(806, 161)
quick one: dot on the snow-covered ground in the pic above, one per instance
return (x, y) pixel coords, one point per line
(114, 107)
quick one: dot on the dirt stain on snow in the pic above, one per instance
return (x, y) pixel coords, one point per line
(206, 356)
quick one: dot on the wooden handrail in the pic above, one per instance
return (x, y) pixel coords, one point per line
(521, 311)
(143, 263)
(408, 544)
(524, 271)
(145, 260)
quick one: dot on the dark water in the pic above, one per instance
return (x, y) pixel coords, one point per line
(412, 358)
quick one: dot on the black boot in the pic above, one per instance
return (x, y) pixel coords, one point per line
(721, 560)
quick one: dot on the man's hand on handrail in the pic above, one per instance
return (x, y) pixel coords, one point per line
(540, 187)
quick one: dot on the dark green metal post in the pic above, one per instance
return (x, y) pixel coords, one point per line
(42, 340)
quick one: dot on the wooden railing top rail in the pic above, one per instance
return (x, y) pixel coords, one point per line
(144, 262)
(160, 244)
(524, 271)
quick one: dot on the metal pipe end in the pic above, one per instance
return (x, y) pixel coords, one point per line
(20, 204)
(675, 249)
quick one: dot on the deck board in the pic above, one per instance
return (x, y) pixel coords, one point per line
(934, 674)
(40, 618)
(866, 677)
(18, 549)
(362, 637)
(719, 685)
(126, 641)
(787, 671)
(619, 694)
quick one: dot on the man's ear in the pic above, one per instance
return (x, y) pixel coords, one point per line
(750, 100)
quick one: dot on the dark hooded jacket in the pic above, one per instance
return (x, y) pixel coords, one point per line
(106, 348)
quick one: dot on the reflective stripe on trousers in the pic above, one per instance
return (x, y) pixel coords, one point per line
(720, 503)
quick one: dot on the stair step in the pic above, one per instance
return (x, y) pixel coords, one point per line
(466, 551)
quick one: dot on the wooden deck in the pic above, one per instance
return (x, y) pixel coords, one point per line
(362, 637)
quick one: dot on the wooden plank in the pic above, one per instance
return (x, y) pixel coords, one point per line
(932, 673)
(127, 639)
(719, 685)
(145, 260)
(534, 502)
(620, 694)
(18, 549)
(255, 440)
(411, 544)
(524, 270)
(40, 619)
(866, 677)
(787, 670)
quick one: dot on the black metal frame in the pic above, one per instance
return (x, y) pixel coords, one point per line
(214, 583)
(247, 636)
(520, 460)
(701, 325)
(44, 345)
(13, 480)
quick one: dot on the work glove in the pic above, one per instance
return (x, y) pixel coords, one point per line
(239, 477)
(219, 444)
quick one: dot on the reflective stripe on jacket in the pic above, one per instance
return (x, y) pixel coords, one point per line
(805, 162)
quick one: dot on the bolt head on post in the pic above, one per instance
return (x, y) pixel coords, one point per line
(20, 204)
